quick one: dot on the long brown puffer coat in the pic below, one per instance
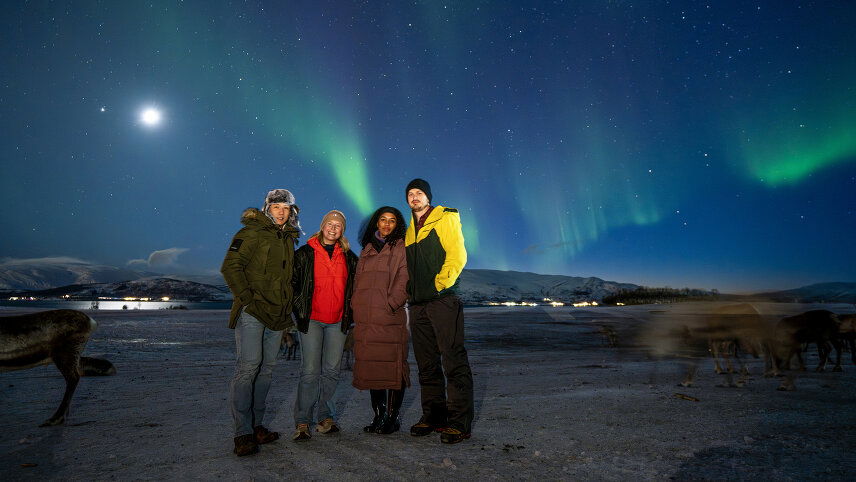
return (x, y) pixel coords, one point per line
(380, 320)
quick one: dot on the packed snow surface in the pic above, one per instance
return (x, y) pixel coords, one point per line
(552, 401)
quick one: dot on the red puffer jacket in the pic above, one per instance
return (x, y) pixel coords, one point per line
(331, 276)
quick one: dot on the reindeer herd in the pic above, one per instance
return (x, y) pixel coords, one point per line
(731, 333)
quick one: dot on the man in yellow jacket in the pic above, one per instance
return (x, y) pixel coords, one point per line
(435, 258)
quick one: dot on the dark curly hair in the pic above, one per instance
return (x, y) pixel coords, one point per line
(369, 227)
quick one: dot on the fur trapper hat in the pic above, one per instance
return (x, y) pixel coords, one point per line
(284, 196)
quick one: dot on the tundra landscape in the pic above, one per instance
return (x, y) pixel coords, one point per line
(561, 393)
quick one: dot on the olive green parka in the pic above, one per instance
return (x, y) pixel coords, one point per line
(258, 268)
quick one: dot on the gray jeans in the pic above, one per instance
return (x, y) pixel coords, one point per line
(257, 349)
(320, 356)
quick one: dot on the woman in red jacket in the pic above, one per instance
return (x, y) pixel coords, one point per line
(380, 318)
(323, 281)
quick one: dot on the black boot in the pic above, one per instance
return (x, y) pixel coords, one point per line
(391, 422)
(378, 407)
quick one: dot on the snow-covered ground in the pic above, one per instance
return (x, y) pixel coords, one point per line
(552, 399)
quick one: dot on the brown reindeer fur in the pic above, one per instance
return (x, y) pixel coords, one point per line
(56, 336)
(817, 326)
(847, 333)
(729, 331)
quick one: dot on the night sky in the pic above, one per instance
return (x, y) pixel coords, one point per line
(704, 144)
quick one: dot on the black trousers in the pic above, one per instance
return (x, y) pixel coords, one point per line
(445, 377)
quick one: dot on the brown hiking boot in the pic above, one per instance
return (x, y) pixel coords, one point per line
(327, 426)
(302, 433)
(451, 435)
(422, 428)
(245, 445)
(264, 436)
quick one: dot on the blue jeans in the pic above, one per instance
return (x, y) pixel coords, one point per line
(321, 355)
(257, 348)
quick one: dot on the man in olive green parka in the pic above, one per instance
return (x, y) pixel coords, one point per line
(258, 268)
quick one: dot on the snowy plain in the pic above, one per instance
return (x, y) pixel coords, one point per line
(552, 401)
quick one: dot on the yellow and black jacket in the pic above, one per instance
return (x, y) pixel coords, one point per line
(435, 256)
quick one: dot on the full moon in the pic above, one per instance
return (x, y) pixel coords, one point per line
(150, 116)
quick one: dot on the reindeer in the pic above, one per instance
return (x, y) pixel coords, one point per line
(727, 332)
(95, 367)
(348, 350)
(291, 344)
(56, 336)
(847, 333)
(610, 337)
(817, 326)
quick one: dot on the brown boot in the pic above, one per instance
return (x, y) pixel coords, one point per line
(264, 436)
(245, 445)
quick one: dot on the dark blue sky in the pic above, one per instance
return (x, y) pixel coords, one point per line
(705, 144)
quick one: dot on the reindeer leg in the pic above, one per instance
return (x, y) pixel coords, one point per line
(744, 371)
(801, 363)
(787, 383)
(823, 350)
(68, 363)
(729, 378)
(688, 380)
(770, 365)
(837, 344)
(714, 352)
(852, 343)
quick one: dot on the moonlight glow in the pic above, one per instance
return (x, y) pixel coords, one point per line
(150, 116)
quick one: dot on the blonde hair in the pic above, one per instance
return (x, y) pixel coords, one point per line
(343, 241)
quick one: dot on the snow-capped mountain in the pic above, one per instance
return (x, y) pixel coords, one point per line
(838, 292)
(488, 284)
(45, 273)
(145, 287)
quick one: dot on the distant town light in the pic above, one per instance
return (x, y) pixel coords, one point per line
(165, 298)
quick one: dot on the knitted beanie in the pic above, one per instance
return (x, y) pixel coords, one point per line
(334, 215)
(420, 184)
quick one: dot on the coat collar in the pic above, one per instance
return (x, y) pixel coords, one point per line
(435, 216)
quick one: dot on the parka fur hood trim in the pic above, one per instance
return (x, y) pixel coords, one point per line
(252, 213)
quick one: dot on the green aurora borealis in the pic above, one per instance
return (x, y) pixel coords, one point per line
(709, 145)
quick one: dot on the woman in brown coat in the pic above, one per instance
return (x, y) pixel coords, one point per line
(380, 318)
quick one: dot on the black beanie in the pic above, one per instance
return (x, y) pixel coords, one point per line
(420, 184)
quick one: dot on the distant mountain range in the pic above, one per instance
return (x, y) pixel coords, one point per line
(46, 273)
(48, 277)
(494, 285)
(817, 293)
(146, 287)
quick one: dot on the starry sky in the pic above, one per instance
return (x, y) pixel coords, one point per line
(703, 144)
